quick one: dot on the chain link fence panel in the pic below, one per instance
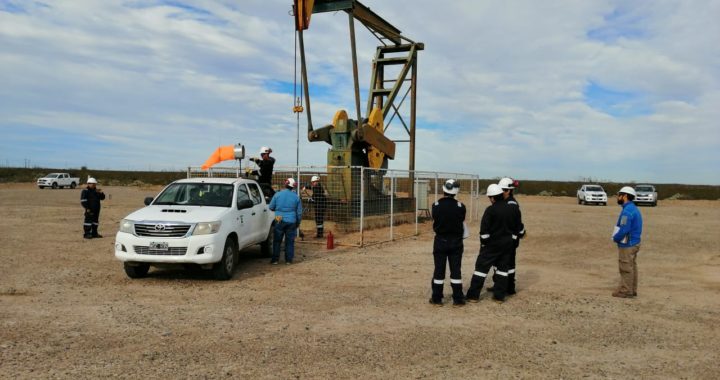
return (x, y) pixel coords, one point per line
(362, 206)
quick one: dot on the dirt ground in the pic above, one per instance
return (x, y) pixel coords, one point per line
(67, 310)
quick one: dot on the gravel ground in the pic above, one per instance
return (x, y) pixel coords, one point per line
(67, 310)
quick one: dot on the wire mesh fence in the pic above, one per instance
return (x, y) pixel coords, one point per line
(363, 206)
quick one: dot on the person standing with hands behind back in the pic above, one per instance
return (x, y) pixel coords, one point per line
(288, 214)
(448, 216)
(319, 200)
(627, 236)
(90, 200)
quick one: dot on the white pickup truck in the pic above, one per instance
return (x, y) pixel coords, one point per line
(204, 221)
(58, 180)
(587, 194)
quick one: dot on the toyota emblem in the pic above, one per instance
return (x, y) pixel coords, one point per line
(159, 227)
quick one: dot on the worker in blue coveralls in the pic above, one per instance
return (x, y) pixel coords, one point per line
(448, 216)
(90, 200)
(627, 236)
(288, 214)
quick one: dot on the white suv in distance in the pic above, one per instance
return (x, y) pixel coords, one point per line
(646, 194)
(591, 194)
(203, 221)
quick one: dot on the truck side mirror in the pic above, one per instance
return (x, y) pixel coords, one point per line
(245, 203)
(148, 200)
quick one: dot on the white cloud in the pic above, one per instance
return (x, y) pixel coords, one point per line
(501, 84)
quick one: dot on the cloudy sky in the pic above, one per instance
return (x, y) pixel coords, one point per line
(563, 90)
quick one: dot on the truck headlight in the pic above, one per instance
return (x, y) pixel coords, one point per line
(127, 226)
(206, 228)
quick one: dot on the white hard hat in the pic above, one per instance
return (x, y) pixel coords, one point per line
(290, 182)
(91, 180)
(451, 186)
(493, 190)
(627, 190)
(265, 150)
(314, 179)
(506, 183)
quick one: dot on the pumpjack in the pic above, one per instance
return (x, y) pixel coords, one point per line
(362, 141)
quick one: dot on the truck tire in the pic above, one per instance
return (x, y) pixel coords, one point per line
(54, 185)
(266, 247)
(73, 185)
(223, 270)
(41, 187)
(136, 271)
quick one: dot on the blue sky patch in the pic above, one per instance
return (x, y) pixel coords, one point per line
(11, 7)
(185, 11)
(285, 87)
(620, 23)
(616, 103)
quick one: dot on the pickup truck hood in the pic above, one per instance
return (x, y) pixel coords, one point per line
(187, 214)
(595, 192)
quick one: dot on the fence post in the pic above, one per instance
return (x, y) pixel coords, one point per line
(392, 206)
(435, 190)
(472, 198)
(417, 205)
(362, 202)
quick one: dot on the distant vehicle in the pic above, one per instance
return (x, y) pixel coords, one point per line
(591, 194)
(646, 194)
(58, 180)
(203, 221)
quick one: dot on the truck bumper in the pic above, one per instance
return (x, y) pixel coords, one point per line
(203, 249)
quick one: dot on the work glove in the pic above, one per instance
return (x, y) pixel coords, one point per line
(88, 212)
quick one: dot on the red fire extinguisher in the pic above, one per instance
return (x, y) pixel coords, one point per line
(330, 240)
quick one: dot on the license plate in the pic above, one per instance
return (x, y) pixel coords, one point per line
(159, 246)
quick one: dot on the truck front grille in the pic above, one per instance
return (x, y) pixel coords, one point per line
(171, 251)
(161, 230)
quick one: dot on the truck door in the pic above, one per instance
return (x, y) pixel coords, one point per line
(261, 213)
(243, 218)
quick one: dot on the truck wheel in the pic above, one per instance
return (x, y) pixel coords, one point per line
(54, 185)
(223, 270)
(73, 185)
(41, 187)
(136, 271)
(266, 247)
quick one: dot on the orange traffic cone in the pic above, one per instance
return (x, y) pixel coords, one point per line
(330, 240)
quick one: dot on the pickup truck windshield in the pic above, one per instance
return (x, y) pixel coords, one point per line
(644, 189)
(594, 188)
(197, 194)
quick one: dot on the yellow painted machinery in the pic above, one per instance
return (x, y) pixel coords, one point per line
(362, 142)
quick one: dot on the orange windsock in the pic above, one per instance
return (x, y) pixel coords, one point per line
(220, 154)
